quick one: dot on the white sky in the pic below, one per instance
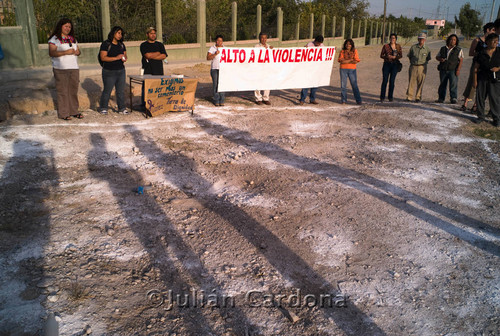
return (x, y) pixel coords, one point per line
(428, 8)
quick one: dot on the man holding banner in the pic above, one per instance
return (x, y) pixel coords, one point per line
(262, 98)
(318, 42)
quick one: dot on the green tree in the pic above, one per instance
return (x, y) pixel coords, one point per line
(468, 20)
(409, 28)
(444, 31)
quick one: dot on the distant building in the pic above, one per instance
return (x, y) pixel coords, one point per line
(433, 26)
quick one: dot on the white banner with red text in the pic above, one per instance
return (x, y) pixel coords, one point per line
(248, 69)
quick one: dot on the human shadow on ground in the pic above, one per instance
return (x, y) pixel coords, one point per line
(93, 92)
(27, 182)
(418, 206)
(165, 252)
(181, 170)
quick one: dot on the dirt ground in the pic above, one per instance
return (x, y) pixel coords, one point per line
(329, 219)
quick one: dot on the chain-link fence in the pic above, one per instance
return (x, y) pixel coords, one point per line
(7, 13)
(133, 16)
(85, 15)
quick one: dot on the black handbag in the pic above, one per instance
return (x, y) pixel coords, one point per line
(399, 65)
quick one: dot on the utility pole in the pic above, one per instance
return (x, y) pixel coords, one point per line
(383, 23)
(492, 10)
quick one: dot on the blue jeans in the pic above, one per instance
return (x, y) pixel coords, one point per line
(389, 72)
(113, 79)
(446, 76)
(312, 96)
(218, 96)
(353, 79)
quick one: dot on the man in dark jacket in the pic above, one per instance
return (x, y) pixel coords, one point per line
(450, 59)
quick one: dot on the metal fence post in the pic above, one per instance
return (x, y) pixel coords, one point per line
(201, 23)
(359, 29)
(234, 19)
(364, 33)
(311, 26)
(259, 19)
(280, 24)
(159, 26)
(343, 28)
(334, 25)
(352, 29)
(297, 29)
(323, 19)
(105, 20)
(376, 33)
(371, 32)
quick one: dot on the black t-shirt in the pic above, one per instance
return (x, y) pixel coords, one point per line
(486, 63)
(114, 50)
(152, 67)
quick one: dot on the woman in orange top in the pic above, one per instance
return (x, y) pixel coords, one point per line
(348, 59)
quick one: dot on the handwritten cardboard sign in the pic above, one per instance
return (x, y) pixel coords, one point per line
(169, 94)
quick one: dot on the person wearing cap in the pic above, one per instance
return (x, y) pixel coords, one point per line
(318, 42)
(419, 56)
(153, 54)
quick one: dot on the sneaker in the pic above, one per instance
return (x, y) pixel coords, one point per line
(124, 111)
(314, 102)
(440, 101)
(301, 102)
(417, 100)
(390, 99)
(103, 111)
(478, 120)
(259, 102)
(267, 102)
(453, 101)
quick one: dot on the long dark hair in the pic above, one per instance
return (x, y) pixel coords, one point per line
(449, 39)
(352, 44)
(112, 33)
(58, 29)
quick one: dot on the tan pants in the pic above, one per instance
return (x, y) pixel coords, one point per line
(416, 80)
(67, 82)
(265, 96)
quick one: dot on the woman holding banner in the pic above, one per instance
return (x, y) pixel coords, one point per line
(214, 56)
(348, 58)
(64, 52)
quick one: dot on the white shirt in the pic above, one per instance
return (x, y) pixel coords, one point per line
(260, 45)
(216, 60)
(311, 44)
(67, 61)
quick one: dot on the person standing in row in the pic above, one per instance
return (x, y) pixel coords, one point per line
(318, 42)
(450, 58)
(262, 98)
(113, 55)
(419, 56)
(348, 58)
(477, 45)
(214, 56)
(391, 54)
(153, 53)
(487, 80)
(64, 52)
